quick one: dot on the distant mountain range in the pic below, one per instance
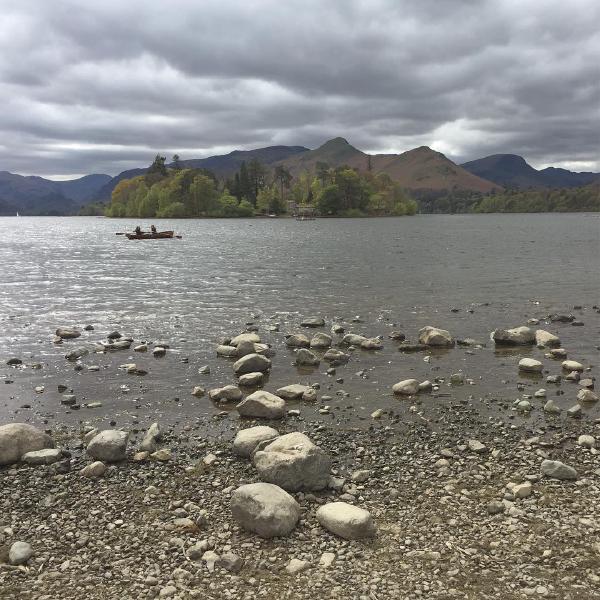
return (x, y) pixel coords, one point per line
(36, 195)
(511, 170)
(420, 170)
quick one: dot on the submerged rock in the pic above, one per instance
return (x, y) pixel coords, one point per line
(407, 387)
(513, 337)
(252, 363)
(68, 333)
(433, 336)
(305, 357)
(530, 365)
(321, 341)
(313, 322)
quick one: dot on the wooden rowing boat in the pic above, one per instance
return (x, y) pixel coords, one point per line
(159, 235)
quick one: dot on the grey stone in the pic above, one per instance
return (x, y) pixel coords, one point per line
(262, 404)
(433, 336)
(47, 456)
(16, 439)
(305, 357)
(558, 470)
(252, 363)
(20, 553)
(346, 521)
(293, 462)
(109, 445)
(513, 337)
(265, 509)
(407, 387)
(246, 440)
(293, 391)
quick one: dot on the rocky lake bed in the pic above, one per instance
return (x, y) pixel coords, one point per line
(377, 459)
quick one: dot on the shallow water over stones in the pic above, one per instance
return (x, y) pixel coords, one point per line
(468, 274)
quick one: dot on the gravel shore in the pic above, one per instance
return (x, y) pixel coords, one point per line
(431, 494)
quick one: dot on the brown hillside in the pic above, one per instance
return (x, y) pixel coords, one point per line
(424, 168)
(418, 169)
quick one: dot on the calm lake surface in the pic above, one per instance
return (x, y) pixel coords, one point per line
(395, 273)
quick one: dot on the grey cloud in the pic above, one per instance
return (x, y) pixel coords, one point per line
(102, 86)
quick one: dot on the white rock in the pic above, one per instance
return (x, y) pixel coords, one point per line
(247, 440)
(326, 560)
(587, 441)
(228, 393)
(305, 357)
(263, 405)
(252, 363)
(293, 462)
(265, 509)
(546, 339)
(296, 566)
(585, 395)
(551, 407)
(19, 553)
(433, 336)
(530, 365)
(42, 457)
(251, 337)
(522, 490)
(321, 341)
(514, 337)
(572, 365)
(251, 379)
(353, 339)
(293, 391)
(198, 391)
(407, 387)
(16, 439)
(151, 439)
(93, 470)
(109, 445)
(347, 521)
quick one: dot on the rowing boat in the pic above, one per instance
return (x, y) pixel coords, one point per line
(159, 235)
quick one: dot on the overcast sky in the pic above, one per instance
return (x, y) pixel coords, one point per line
(101, 86)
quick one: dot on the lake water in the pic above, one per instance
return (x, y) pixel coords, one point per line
(395, 273)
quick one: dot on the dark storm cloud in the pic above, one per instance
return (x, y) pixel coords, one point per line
(101, 86)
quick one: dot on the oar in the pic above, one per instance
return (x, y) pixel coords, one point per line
(120, 233)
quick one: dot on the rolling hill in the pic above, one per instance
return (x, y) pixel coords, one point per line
(418, 169)
(31, 195)
(511, 170)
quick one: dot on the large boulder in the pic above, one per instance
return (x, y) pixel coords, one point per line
(109, 445)
(546, 339)
(16, 439)
(77, 353)
(572, 365)
(347, 521)
(585, 395)
(518, 336)
(264, 509)
(433, 336)
(407, 387)
(247, 440)
(252, 363)
(227, 351)
(263, 405)
(294, 463)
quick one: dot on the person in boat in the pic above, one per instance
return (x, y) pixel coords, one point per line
(138, 230)
(153, 229)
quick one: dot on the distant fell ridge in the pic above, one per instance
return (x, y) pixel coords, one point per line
(418, 169)
(36, 195)
(512, 170)
(224, 165)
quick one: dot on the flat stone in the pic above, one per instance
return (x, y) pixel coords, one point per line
(246, 440)
(346, 521)
(47, 456)
(262, 404)
(558, 470)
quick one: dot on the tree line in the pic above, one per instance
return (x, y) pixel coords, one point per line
(580, 199)
(177, 192)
